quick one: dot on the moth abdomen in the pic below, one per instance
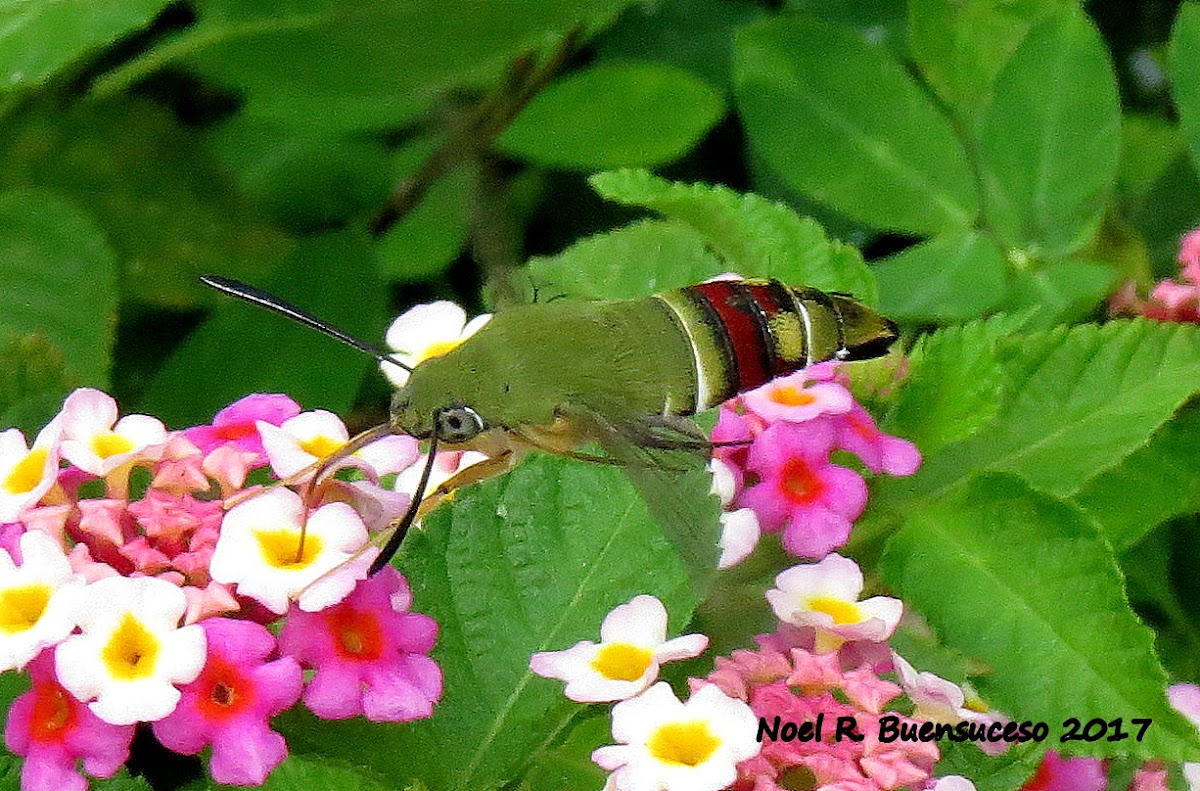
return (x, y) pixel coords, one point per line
(746, 332)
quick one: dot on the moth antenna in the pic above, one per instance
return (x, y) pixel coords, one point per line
(410, 516)
(263, 299)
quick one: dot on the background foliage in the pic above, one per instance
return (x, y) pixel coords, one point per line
(1001, 166)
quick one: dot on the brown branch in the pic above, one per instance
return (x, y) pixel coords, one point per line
(523, 79)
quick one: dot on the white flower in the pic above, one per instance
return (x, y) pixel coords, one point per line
(952, 783)
(37, 600)
(258, 546)
(445, 466)
(131, 652)
(791, 398)
(825, 596)
(96, 442)
(26, 474)
(632, 646)
(311, 436)
(426, 331)
(671, 746)
(740, 532)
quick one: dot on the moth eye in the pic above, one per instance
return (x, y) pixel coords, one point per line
(459, 424)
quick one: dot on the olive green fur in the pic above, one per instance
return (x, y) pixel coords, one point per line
(617, 358)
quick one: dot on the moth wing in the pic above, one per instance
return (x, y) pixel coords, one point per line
(666, 459)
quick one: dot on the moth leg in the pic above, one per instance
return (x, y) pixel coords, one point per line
(480, 471)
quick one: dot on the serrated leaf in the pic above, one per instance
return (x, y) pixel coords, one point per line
(38, 39)
(955, 384)
(60, 281)
(627, 263)
(532, 561)
(755, 237)
(614, 114)
(169, 212)
(303, 773)
(1050, 137)
(843, 122)
(240, 349)
(570, 764)
(955, 276)
(1154, 484)
(1081, 401)
(1037, 595)
(1185, 74)
(961, 46)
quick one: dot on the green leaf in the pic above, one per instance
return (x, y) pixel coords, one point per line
(961, 45)
(304, 179)
(60, 281)
(532, 561)
(694, 35)
(169, 212)
(241, 349)
(1050, 137)
(1038, 596)
(614, 114)
(303, 773)
(1081, 401)
(955, 385)
(381, 63)
(881, 22)
(1063, 292)
(570, 764)
(1149, 145)
(426, 241)
(31, 371)
(1154, 484)
(842, 121)
(1185, 74)
(755, 237)
(38, 39)
(952, 277)
(668, 255)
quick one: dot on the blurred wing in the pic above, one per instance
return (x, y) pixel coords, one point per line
(666, 458)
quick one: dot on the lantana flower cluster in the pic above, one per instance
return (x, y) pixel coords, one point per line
(774, 449)
(140, 569)
(828, 660)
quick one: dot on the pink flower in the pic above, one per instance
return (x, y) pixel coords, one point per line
(369, 653)
(235, 424)
(1056, 773)
(857, 433)
(1189, 256)
(231, 702)
(801, 493)
(53, 730)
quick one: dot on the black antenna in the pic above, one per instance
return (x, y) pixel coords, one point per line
(256, 296)
(410, 516)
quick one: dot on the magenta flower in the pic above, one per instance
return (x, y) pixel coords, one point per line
(879, 452)
(1056, 773)
(235, 424)
(230, 704)
(369, 653)
(800, 492)
(53, 731)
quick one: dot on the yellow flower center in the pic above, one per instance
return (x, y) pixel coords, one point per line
(622, 661)
(21, 608)
(321, 446)
(686, 743)
(281, 548)
(790, 395)
(110, 443)
(26, 473)
(842, 612)
(132, 650)
(438, 348)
